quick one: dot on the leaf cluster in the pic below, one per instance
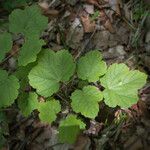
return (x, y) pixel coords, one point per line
(45, 72)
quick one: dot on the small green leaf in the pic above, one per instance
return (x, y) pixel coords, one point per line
(5, 44)
(70, 128)
(86, 101)
(91, 67)
(29, 51)
(48, 110)
(52, 69)
(29, 21)
(27, 103)
(9, 86)
(95, 15)
(121, 85)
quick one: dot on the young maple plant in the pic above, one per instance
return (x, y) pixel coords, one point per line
(46, 71)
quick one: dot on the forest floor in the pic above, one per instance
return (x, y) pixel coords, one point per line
(120, 29)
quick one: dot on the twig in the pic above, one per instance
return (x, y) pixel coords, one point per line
(8, 57)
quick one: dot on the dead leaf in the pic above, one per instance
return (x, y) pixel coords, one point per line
(87, 24)
(99, 4)
(44, 5)
(15, 49)
(93, 2)
(106, 21)
(95, 128)
(89, 8)
(47, 11)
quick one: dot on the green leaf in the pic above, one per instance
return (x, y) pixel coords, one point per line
(70, 128)
(86, 101)
(22, 74)
(27, 103)
(95, 15)
(9, 86)
(121, 85)
(2, 117)
(5, 44)
(29, 21)
(29, 51)
(48, 110)
(91, 67)
(52, 69)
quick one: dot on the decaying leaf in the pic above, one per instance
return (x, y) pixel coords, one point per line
(87, 24)
(106, 21)
(46, 10)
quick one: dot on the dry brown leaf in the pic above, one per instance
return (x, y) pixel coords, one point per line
(58, 38)
(87, 24)
(99, 4)
(47, 11)
(95, 128)
(51, 12)
(106, 21)
(44, 5)
(94, 2)
(14, 50)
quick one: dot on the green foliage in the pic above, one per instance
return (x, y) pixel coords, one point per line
(22, 74)
(91, 67)
(28, 21)
(121, 85)
(48, 110)
(50, 72)
(86, 101)
(139, 10)
(5, 44)
(27, 103)
(11, 4)
(52, 69)
(29, 51)
(95, 15)
(70, 128)
(8, 88)
(140, 13)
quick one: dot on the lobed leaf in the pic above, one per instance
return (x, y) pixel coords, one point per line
(121, 85)
(29, 21)
(48, 110)
(9, 86)
(91, 67)
(29, 51)
(86, 101)
(52, 68)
